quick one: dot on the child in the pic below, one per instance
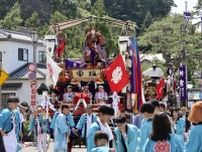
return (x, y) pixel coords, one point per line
(105, 115)
(101, 140)
(126, 136)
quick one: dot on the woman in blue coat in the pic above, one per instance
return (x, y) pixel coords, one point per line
(178, 123)
(147, 111)
(126, 136)
(85, 122)
(162, 139)
(194, 143)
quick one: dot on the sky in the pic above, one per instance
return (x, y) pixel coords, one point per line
(181, 6)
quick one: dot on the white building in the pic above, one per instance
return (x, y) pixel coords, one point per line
(17, 53)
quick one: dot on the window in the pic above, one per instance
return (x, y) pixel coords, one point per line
(42, 57)
(22, 54)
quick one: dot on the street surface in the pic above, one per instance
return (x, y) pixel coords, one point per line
(34, 149)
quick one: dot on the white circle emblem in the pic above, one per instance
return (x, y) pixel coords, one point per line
(117, 75)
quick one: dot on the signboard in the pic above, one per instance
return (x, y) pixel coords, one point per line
(183, 82)
(3, 76)
(33, 86)
(32, 75)
(195, 95)
(86, 74)
(31, 67)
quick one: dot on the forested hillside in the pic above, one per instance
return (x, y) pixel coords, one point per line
(39, 14)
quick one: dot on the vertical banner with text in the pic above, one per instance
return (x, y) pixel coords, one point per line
(33, 83)
(183, 82)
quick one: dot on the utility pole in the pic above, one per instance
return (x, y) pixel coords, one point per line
(34, 79)
(0, 75)
(183, 66)
(186, 6)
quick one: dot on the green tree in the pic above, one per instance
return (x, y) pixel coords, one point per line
(69, 8)
(98, 9)
(33, 21)
(57, 17)
(43, 8)
(84, 7)
(167, 37)
(147, 21)
(198, 7)
(12, 18)
(5, 6)
(136, 10)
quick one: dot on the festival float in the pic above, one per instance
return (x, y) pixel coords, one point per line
(87, 71)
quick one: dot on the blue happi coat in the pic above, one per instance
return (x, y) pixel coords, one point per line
(61, 131)
(131, 142)
(5, 120)
(180, 126)
(194, 143)
(82, 124)
(70, 120)
(90, 140)
(43, 124)
(176, 145)
(145, 131)
(18, 124)
(101, 149)
(52, 125)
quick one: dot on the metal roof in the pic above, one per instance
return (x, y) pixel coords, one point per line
(23, 36)
(22, 73)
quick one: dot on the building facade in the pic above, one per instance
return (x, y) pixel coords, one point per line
(17, 53)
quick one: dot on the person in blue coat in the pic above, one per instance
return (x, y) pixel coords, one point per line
(194, 143)
(71, 125)
(8, 127)
(101, 140)
(38, 125)
(126, 136)
(38, 120)
(162, 139)
(52, 125)
(147, 110)
(21, 109)
(17, 120)
(105, 115)
(85, 122)
(178, 123)
(61, 131)
(18, 129)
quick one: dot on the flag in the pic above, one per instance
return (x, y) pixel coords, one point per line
(136, 75)
(117, 75)
(53, 71)
(159, 89)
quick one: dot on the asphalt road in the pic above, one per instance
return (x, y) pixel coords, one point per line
(30, 148)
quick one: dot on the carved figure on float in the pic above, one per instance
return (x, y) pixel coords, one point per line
(94, 49)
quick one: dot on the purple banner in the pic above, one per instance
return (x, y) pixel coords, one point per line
(183, 82)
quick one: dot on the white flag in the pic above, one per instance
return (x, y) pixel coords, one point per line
(53, 71)
(50, 43)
